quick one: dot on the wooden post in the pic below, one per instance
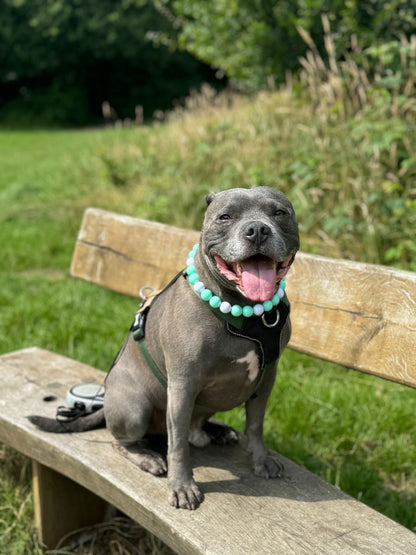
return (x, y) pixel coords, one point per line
(62, 505)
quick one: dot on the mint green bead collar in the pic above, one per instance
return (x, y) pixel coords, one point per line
(225, 307)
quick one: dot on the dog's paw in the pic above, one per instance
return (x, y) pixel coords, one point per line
(147, 460)
(153, 463)
(187, 496)
(221, 434)
(198, 438)
(269, 468)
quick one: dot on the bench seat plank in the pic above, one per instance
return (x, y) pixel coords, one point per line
(362, 316)
(297, 514)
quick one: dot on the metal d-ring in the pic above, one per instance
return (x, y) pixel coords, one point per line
(146, 288)
(274, 323)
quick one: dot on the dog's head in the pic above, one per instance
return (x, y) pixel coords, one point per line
(249, 240)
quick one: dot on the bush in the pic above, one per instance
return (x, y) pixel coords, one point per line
(377, 106)
(342, 148)
(255, 42)
(59, 61)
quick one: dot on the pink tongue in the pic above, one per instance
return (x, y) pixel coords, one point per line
(258, 279)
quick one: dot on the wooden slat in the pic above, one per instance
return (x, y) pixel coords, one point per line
(299, 514)
(358, 315)
(62, 506)
(124, 253)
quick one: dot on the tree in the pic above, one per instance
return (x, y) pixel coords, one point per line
(67, 56)
(255, 41)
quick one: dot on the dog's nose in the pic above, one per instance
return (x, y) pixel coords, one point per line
(257, 232)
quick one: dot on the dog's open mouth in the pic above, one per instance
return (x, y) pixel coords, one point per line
(257, 276)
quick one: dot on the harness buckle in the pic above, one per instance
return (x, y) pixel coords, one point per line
(137, 327)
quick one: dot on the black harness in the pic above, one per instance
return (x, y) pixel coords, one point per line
(264, 331)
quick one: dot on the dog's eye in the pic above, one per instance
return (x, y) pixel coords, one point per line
(225, 217)
(280, 212)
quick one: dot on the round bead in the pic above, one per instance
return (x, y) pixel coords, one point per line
(258, 309)
(199, 286)
(193, 278)
(225, 307)
(206, 294)
(236, 310)
(215, 301)
(275, 300)
(248, 311)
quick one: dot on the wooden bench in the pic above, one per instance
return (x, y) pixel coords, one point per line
(358, 315)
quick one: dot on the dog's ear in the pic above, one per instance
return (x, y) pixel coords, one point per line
(209, 198)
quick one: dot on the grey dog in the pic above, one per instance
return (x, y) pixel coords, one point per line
(212, 357)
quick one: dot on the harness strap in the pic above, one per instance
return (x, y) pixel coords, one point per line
(269, 347)
(138, 330)
(151, 363)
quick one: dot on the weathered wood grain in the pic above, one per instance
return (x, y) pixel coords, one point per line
(124, 253)
(62, 506)
(358, 315)
(299, 514)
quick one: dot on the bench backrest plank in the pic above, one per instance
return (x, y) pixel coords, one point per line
(123, 253)
(358, 315)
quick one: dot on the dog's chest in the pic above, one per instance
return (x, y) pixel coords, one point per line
(250, 367)
(231, 381)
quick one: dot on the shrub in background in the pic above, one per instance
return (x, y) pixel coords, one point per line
(339, 141)
(88, 52)
(255, 42)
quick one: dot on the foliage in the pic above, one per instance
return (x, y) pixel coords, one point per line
(17, 527)
(60, 60)
(378, 109)
(255, 42)
(350, 174)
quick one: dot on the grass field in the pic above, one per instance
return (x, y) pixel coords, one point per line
(353, 430)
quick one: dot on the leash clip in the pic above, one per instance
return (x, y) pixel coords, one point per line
(137, 327)
(142, 292)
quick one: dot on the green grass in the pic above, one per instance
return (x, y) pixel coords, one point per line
(356, 431)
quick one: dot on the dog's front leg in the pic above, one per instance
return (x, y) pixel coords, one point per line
(264, 464)
(184, 493)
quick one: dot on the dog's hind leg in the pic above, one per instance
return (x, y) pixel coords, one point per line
(129, 414)
(144, 458)
(129, 429)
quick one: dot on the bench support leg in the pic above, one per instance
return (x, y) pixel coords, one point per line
(62, 505)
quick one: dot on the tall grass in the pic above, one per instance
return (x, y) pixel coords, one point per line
(339, 141)
(352, 200)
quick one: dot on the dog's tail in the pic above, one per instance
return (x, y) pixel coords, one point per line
(81, 424)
